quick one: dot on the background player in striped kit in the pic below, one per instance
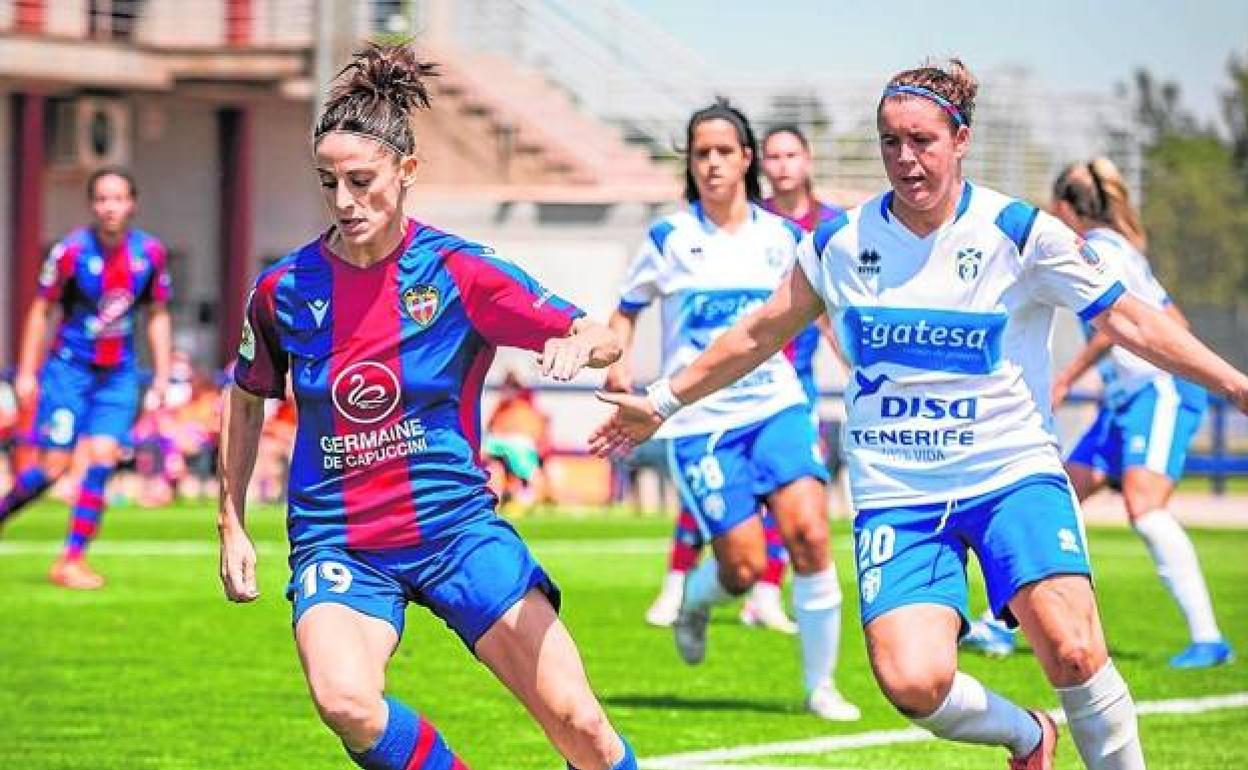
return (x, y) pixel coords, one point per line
(708, 266)
(1139, 441)
(387, 328)
(943, 295)
(96, 278)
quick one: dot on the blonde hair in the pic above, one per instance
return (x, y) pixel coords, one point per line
(1098, 193)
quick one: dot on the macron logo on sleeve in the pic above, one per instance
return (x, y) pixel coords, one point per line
(319, 308)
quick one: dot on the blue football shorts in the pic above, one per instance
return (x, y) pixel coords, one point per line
(1152, 429)
(1025, 532)
(469, 578)
(77, 400)
(722, 477)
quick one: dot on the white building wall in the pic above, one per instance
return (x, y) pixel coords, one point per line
(288, 210)
(66, 18)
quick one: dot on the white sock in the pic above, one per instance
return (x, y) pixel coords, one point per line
(702, 587)
(817, 609)
(1102, 722)
(673, 582)
(974, 714)
(765, 593)
(1179, 569)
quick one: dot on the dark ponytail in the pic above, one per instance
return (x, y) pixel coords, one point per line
(375, 95)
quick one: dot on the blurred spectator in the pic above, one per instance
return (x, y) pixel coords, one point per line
(175, 440)
(516, 445)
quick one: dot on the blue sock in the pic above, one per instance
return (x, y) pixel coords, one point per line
(410, 742)
(627, 762)
(29, 484)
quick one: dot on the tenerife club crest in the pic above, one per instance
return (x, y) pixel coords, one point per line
(968, 262)
(421, 302)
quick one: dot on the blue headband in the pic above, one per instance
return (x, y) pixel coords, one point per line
(927, 93)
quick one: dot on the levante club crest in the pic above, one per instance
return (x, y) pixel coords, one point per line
(421, 302)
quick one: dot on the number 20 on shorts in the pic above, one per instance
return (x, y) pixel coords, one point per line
(334, 573)
(875, 546)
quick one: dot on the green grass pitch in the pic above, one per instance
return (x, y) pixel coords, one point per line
(157, 671)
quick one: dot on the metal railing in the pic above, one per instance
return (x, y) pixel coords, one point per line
(630, 72)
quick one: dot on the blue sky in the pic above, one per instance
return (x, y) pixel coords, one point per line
(1080, 43)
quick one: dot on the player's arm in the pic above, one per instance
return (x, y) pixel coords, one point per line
(1160, 339)
(620, 374)
(588, 343)
(1098, 345)
(242, 419)
(732, 355)
(160, 340)
(34, 339)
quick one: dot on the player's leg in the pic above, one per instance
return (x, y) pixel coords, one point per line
(912, 586)
(531, 652)
(687, 542)
(1059, 616)
(32, 482)
(57, 423)
(764, 606)
(913, 653)
(712, 475)
(348, 620)
(1034, 556)
(1157, 427)
(787, 467)
(486, 585)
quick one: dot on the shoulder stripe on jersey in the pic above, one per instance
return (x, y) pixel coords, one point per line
(632, 308)
(1101, 303)
(659, 232)
(1015, 220)
(794, 228)
(827, 229)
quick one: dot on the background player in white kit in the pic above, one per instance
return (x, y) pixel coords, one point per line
(1148, 417)
(709, 266)
(943, 295)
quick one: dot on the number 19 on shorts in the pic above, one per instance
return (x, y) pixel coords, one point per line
(334, 575)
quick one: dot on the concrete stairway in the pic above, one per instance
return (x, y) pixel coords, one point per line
(495, 123)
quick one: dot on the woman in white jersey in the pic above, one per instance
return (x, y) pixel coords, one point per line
(943, 295)
(1147, 417)
(708, 266)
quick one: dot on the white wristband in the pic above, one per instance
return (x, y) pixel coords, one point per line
(662, 398)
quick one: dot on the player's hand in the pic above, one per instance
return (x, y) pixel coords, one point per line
(155, 397)
(25, 387)
(619, 378)
(1060, 391)
(563, 357)
(238, 566)
(1240, 398)
(634, 422)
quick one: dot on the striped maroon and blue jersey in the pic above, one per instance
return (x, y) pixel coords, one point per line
(98, 290)
(387, 364)
(801, 349)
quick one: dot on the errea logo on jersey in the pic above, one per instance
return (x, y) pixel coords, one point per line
(365, 392)
(933, 340)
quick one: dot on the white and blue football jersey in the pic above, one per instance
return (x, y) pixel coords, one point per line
(949, 339)
(706, 279)
(1123, 372)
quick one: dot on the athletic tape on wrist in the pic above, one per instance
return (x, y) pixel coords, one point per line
(662, 398)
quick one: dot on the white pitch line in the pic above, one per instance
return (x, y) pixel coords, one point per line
(717, 759)
(587, 547)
